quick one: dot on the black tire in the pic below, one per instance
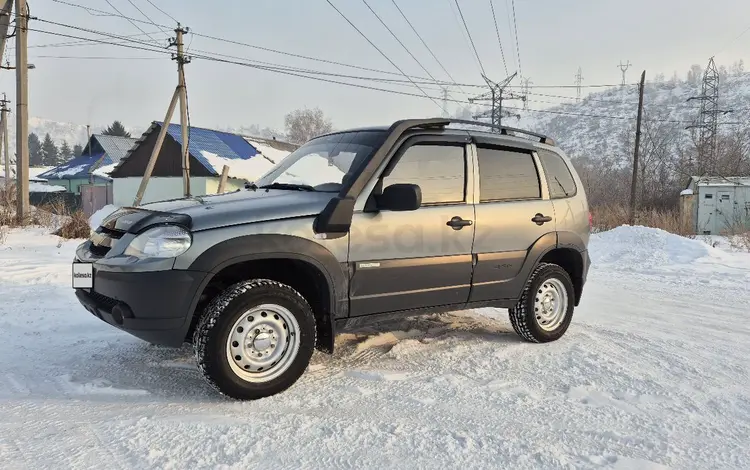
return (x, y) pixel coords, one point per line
(523, 316)
(212, 335)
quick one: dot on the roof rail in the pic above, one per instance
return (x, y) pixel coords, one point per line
(504, 130)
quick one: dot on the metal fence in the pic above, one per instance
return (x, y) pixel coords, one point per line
(94, 197)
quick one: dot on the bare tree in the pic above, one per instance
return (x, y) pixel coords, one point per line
(304, 124)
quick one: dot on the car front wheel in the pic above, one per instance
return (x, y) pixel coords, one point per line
(255, 339)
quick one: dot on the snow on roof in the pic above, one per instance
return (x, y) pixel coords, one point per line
(35, 187)
(274, 154)
(248, 169)
(103, 171)
(686, 192)
(721, 180)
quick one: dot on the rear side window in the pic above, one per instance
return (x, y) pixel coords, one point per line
(507, 175)
(559, 179)
(439, 170)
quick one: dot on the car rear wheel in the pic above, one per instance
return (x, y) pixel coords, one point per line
(255, 339)
(545, 310)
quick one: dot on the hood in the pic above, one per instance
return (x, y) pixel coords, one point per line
(212, 211)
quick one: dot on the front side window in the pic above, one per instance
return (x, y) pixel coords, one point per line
(559, 179)
(507, 175)
(439, 170)
(324, 163)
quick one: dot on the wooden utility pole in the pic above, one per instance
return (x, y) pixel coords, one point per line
(634, 182)
(223, 180)
(22, 112)
(6, 9)
(180, 93)
(4, 130)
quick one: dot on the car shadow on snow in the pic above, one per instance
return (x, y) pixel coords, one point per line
(139, 371)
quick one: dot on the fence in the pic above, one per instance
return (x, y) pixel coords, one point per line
(94, 197)
(71, 202)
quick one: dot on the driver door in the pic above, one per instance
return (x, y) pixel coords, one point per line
(402, 260)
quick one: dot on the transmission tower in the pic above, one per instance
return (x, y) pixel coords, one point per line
(578, 82)
(624, 68)
(526, 91)
(495, 97)
(445, 101)
(708, 118)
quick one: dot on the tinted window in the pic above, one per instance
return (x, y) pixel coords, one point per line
(559, 179)
(439, 170)
(507, 175)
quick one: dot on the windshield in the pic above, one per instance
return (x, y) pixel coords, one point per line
(323, 163)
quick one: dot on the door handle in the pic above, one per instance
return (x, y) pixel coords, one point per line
(458, 223)
(540, 219)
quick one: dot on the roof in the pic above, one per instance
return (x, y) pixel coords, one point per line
(76, 168)
(114, 146)
(719, 181)
(247, 157)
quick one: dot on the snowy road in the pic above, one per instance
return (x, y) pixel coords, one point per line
(653, 374)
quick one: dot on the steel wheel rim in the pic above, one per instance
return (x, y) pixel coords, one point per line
(550, 304)
(263, 343)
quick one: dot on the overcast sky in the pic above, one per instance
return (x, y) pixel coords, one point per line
(555, 38)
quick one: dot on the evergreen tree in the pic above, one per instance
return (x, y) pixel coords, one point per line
(49, 152)
(77, 150)
(116, 129)
(65, 153)
(35, 150)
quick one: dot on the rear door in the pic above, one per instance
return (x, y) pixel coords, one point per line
(416, 259)
(513, 211)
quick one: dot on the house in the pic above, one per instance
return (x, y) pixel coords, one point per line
(714, 204)
(101, 150)
(248, 158)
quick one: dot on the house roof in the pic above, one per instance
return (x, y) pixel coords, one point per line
(115, 147)
(76, 168)
(247, 157)
(719, 181)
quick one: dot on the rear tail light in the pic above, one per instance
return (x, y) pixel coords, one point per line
(591, 221)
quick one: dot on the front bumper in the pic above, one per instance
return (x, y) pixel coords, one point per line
(155, 306)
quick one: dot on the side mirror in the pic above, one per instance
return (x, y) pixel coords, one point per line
(400, 197)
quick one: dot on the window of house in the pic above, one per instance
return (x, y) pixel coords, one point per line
(438, 169)
(709, 196)
(507, 175)
(559, 179)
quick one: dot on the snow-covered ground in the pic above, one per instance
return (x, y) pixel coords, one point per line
(652, 374)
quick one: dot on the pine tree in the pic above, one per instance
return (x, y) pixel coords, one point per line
(116, 129)
(49, 152)
(77, 150)
(65, 153)
(35, 150)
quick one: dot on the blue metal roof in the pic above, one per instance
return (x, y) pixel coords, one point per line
(223, 144)
(76, 168)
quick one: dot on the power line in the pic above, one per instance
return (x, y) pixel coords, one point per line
(80, 43)
(93, 57)
(155, 6)
(425, 44)
(119, 44)
(146, 16)
(518, 46)
(470, 38)
(497, 30)
(382, 53)
(95, 12)
(399, 41)
(131, 21)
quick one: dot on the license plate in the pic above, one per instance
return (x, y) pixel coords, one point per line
(83, 276)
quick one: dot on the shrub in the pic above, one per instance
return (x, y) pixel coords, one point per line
(77, 226)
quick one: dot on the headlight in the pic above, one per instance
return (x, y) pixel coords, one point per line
(166, 241)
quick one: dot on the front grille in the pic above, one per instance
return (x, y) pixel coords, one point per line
(102, 241)
(102, 301)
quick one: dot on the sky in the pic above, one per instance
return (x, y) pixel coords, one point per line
(555, 38)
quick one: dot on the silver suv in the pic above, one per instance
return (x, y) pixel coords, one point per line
(417, 217)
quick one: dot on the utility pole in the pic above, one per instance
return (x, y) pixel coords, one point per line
(495, 96)
(181, 61)
(6, 8)
(445, 101)
(22, 112)
(579, 80)
(634, 182)
(4, 130)
(180, 94)
(624, 68)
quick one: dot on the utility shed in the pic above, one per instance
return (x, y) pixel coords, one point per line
(716, 204)
(248, 158)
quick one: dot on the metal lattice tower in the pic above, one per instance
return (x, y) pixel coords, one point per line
(495, 97)
(624, 68)
(578, 82)
(708, 118)
(526, 91)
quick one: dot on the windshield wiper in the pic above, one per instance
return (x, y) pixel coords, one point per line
(291, 186)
